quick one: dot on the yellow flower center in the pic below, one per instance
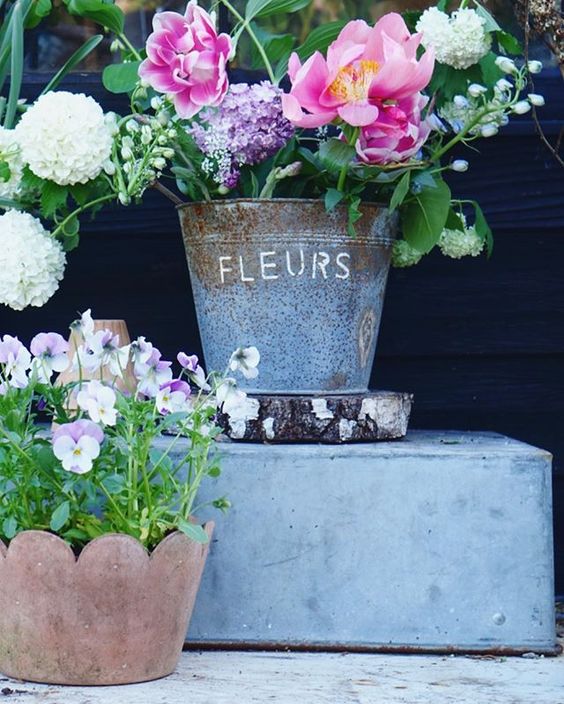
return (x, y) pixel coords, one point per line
(77, 452)
(353, 81)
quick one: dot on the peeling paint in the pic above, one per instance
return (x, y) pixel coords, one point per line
(320, 409)
(346, 428)
(268, 425)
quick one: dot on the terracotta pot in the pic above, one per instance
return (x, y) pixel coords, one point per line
(115, 615)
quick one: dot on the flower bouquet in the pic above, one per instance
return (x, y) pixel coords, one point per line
(116, 476)
(357, 114)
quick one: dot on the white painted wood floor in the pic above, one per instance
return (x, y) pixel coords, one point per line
(321, 678)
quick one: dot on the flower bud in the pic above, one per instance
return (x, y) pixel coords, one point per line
(476, 90)
(163, 118)
(146, 134)
(126, 153)
(127, 167)
(489, 130)
(109, 167)
(504, 85)
(223, 190)
(460, 101)
(536, 99)
(123, 198)
(534, 66)
(132, 126)
(168, 153)
(159, 163)
(521, 107)
(505, 64)
(171, 133)
(156, 103)
(460, 165)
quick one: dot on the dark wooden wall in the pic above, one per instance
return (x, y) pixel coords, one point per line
(480, 343)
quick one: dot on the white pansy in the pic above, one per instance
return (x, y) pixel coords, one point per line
(10, 154)
(404, 255)
(99, 402)
(461, 243)
(31, 262)
(459, 41)
(246, 361)
(65, 138)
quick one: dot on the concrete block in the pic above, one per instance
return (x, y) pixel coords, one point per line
(441, 541)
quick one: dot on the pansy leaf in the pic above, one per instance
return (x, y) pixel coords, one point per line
(60, 516)
(10, 527)
(193, 531)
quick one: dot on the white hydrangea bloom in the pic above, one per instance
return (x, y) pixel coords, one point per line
(459, 41)
(65, 138)
(403, 254)
(31, 262)
(461, 243)
(10, 153)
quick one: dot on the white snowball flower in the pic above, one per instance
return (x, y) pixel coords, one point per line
(461, 243)
(31, 262)
(403, 254)
(11, 155)
(65, 138)
(459, 41)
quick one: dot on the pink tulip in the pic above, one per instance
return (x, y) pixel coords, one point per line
(397, 134)
(365, 66)
(187, 59)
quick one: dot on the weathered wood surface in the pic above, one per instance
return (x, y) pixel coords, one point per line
(316, 678)
(379, 415)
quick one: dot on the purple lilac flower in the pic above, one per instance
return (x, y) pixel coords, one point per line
(246, 129)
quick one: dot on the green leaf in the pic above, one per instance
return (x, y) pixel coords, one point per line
(71, 227)
(38, 10)
(10, 527)
(78, 56)
(334, 154)
(483, 229)
(276, 46)
(16, 66)
(454, 221)
(193, 531)
(400, 192)
(424, 216)
(354, 215)
(490, 23)
(332, 198)
(266, 8)
(320, 38)
(448, 81)
(121, 78)
(53, 198)
(510, 43)
(5, 171)
(60, 516)
(490, 72)
(104, 13)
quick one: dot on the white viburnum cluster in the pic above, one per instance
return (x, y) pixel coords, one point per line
(66, 138)
(403, 254)
(459, 41)
(31, 262)
(461, 243)
(11, 160)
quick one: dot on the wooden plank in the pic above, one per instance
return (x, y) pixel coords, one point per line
(321, 678)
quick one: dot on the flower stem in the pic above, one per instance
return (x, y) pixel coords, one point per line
(253, 36)
(121, 36)
(78, 211)
(352, 139)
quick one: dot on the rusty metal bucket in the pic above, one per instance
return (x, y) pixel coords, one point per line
(115, 615)
(285, 276)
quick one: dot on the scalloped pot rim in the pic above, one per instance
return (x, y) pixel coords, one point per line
(51, 540)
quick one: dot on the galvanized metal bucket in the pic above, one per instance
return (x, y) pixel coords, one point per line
(285, 276)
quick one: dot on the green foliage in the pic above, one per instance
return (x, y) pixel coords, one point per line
(424, 214)
(266, 8)
(334, 154)
(482, 228)
(73, 61)
(121, 78)
(400, 191)
(104, 12)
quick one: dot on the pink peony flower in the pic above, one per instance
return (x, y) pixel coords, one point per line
(187, 59)
(365, 66)
(397, 134)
